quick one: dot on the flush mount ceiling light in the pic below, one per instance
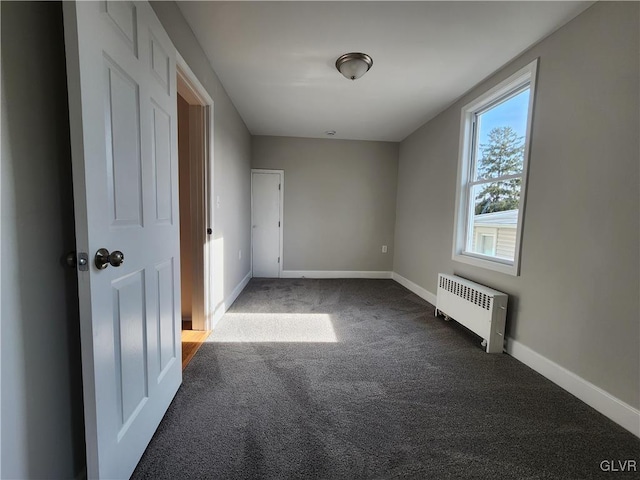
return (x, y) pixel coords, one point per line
(354, 65)
(330, 133)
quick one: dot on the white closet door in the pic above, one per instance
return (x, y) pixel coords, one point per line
(266, 223)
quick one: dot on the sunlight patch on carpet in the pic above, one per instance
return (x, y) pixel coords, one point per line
(274, 327)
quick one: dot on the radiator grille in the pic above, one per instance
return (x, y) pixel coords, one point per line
(468, 293)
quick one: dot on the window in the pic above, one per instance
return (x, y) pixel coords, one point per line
(492, 174)
(486, 244)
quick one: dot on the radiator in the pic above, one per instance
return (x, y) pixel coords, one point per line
(481, 309)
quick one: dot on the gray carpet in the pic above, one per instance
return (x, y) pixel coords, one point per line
(372, 386)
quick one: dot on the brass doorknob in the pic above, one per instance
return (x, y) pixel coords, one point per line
(103, 258)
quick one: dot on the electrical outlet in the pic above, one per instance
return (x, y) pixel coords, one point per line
(384, 249)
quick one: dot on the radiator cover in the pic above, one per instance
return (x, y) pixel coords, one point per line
(481, 309)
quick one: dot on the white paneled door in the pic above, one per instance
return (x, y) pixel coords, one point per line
(266, 210)
(121, 70)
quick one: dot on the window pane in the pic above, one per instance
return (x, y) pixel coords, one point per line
(494, 219)
(487, 244)
(500, 137)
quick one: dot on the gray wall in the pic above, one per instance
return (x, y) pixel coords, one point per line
(42, 431)
(232, 159)
(576, 301)
(339, 200)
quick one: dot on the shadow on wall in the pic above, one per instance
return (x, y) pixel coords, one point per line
(41, 377)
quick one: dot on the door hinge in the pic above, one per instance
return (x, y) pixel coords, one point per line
(278, 259)
(278, 224)
(279, 186)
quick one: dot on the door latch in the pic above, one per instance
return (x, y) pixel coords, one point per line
(78, 260)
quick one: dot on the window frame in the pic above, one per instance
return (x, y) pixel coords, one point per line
(493, 236)
(504, 90)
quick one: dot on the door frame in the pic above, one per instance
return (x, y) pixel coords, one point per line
(201, 139)
(281, 213)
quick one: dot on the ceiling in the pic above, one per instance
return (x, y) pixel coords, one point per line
(276, 60)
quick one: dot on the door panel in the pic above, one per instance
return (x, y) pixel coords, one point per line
(266, 222)
(160, 64)
(121, 72)
(123, 146)
(166, 306)
(161, 156)
(123, 15)
(130, 345)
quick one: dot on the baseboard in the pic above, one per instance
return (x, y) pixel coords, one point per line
(620, 412)
(333, 274)
(415, 288)
(224, 306)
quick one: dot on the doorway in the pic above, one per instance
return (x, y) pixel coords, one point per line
(267, 193)
(195, 164)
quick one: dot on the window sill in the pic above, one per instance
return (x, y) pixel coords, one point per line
(487, 264)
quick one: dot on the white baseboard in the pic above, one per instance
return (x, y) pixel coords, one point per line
(620, 412)
(224, 306)
(333, 274)
(415, 288)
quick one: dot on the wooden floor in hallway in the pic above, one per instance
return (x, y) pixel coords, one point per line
(191, 342)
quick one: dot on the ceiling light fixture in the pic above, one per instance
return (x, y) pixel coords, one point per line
(354, 65)
(330, 133)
